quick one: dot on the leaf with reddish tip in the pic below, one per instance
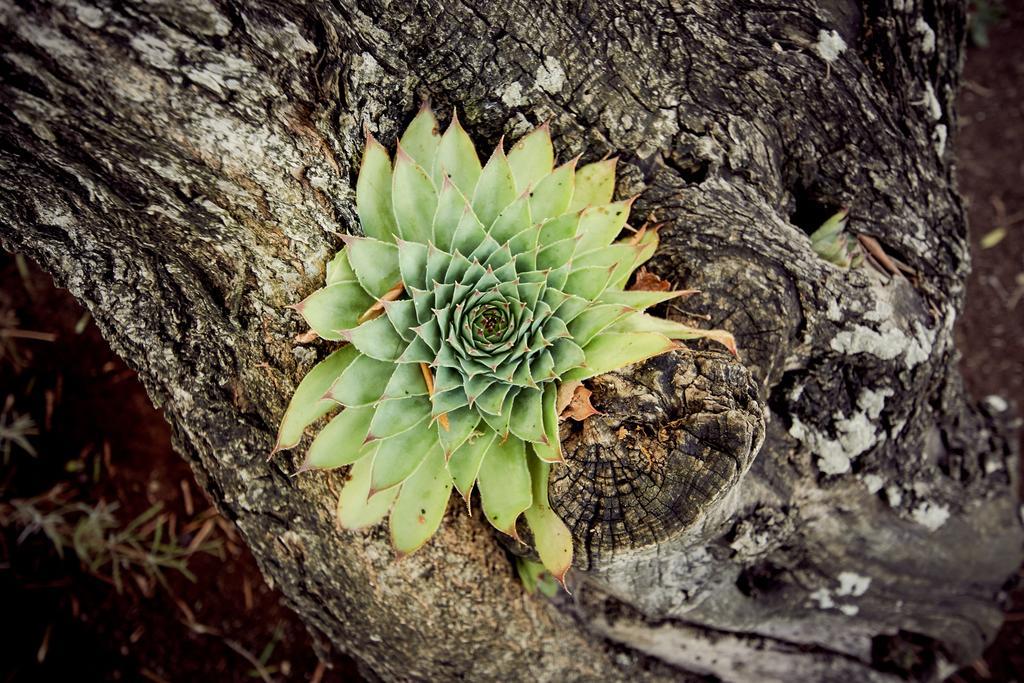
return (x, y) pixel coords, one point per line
(611, 351)
(532, 158)
(356, 508)
(495, 190)
(594, 185)
(341, 441)
(551, 537)
(421, 139)
(308, 403)
(334, 308)
(641, 322)
(504, 483)
(339, 269)
(414, 199)
(373, 193)
(640, 300)
(421, 503)
(457, 159)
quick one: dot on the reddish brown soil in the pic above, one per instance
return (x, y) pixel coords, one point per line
(60, 623)
(991, 330)
(105, 440)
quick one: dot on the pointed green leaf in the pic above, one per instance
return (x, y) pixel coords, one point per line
(464, 464)
(412, 263)
(457, 159)
(399, 456)
(469, 234)
(513, 219)
(373, 192)
(600, 225)
(553, 193)
(551, 449)
(308, 403)
(640, 300)
(332, 309)
(362, 383)
(551, 537)
(594, 185)
(421, 139)
(451, 204)
(532, 157)
(340, 442)
(462, 423)
(555, 230)
(504, 483)
(396, 415)
(528, 416)
(587, 283)
(339, 269)
(406, 381)
(641, 322)
(614, 350)
(495, 190)
(595, 319)
(378, 339)
(566, 354)
(356, 509)
(375, 264)
(414, 199)
(421, 503)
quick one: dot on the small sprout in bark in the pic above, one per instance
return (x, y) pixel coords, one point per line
(832, 243)
(535, 577)
(476, 291)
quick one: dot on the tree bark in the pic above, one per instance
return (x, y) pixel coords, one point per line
(832, 508)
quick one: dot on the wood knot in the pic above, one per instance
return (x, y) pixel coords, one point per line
(675, 434)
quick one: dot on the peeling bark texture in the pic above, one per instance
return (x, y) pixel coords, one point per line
(187, 168)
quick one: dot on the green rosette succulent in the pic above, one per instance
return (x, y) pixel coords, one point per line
(476, 291)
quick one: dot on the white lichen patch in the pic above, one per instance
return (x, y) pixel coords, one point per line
(853, 584)
(873, 482)
(996, 403)
(830, 45)
(849, 610)
(550, 76)
(873, 402)
(512, 95)
(930, 515)
(927, 34)
(854, 435)
(931, 103)
(823, 597)
(939, 135)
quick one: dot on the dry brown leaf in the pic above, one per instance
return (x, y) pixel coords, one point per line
(428, 377)
(646, 281)
(565, 392)
(579, 407)
(377, 308)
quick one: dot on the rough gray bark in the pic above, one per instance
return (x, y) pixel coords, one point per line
(186, 169)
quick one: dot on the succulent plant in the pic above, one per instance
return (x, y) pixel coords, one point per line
(475, 292)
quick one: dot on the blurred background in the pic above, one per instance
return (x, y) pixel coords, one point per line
(114, 566)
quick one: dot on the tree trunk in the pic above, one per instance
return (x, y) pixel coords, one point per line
(833, 508)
